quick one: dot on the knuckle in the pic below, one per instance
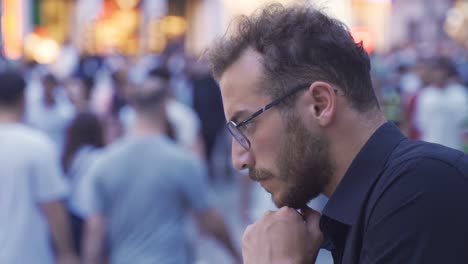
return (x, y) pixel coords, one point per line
(267, 214)
(290, 213)
(287, 210)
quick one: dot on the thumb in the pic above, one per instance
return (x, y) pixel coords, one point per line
(312, 219)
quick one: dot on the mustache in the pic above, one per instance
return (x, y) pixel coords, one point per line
(260, 174)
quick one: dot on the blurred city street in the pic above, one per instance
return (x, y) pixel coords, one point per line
(114, 146)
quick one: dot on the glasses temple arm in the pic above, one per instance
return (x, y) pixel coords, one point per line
(273, 103)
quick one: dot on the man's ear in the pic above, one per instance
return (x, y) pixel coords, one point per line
(321, 100)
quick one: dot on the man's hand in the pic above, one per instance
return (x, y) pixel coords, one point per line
(62, 238)
(283, 237)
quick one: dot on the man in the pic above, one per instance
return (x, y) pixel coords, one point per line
(141, 191)
(320, 130)
(32, 189)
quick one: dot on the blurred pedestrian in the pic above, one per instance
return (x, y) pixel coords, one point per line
(84, 140)
(32, 187)
(305, 120)
(143, 188)
(442, 107)
(52, 111)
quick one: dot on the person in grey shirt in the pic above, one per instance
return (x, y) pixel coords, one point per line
(139, 192)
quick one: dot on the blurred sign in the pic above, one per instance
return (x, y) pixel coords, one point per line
(54, 17)
(41, 49)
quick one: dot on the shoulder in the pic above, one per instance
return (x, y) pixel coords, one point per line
(416, 157)
(421, 179)
(180, 161)
(32, 138)
(111, 154)
(415, 215)
(160, 150)
(177, 154)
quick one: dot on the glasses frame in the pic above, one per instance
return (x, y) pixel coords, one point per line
(237, 134)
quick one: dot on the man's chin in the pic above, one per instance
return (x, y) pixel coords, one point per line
(293, 201)
(282, 201)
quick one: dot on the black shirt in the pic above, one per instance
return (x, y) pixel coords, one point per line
(401, 201)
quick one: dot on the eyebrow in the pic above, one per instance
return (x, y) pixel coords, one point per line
(235, 117)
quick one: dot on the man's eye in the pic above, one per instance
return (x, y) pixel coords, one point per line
(249, 126)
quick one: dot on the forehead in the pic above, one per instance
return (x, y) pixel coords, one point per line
(241, 83)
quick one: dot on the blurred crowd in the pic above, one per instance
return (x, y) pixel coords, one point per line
(131, 149)
(86, 106)
(423, 88)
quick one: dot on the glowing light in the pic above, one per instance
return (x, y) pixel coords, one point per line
(174, 25)
(12, 28)
(31, 42)
(125, 20)
(47, 51)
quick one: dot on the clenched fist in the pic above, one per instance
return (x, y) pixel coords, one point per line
(283, 237)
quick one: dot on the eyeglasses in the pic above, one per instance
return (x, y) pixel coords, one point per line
(234, 128)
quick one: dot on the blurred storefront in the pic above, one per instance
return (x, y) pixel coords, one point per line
(35, 29)
(208, 19)
(370, 23)
(13, 27)
(130, 26)
(418, 20)
(32, 28)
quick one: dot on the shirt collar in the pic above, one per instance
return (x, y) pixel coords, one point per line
(345, 203)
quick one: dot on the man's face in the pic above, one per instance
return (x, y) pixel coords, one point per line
(290, 162)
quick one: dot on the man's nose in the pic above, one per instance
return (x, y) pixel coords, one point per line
(241, 158)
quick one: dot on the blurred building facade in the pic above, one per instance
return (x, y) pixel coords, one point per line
(142, 26)
(418, 20)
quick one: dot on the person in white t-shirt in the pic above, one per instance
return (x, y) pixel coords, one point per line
(442, 107)
(32, 188)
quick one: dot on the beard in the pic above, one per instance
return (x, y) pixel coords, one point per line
(304, 165)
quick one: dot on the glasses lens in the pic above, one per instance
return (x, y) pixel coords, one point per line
(238, 136)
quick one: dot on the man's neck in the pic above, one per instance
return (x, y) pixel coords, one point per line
(144, 127)
(346, 146)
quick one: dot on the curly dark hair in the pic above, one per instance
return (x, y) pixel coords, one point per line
(299, 44)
